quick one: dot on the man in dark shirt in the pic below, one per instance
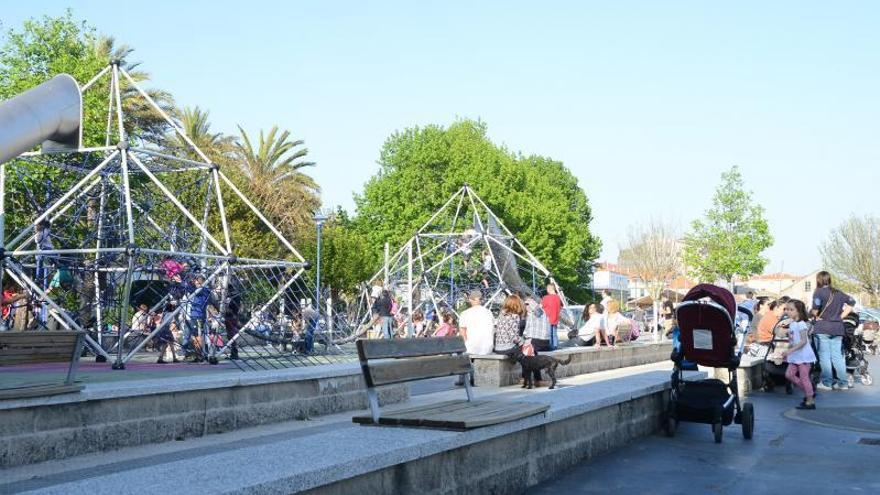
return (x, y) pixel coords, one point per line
(829, 307)
(382, 311)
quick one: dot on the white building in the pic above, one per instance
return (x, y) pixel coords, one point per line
(772, 283)
(607, 277)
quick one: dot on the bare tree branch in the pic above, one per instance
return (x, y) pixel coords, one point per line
(652, 253)
(853, 250)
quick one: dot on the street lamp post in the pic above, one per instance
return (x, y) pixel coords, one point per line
(320, 218)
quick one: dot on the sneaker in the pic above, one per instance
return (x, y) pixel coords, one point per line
(822, 386)
(806, 406)
(838, 387)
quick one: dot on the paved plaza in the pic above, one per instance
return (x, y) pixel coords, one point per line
(785, 456)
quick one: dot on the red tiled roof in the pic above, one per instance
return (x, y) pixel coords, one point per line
(776, 276)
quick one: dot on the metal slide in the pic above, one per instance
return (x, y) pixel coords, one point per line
(50, 113)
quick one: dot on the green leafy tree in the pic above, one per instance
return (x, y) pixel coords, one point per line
(536, 197)
(729, 241)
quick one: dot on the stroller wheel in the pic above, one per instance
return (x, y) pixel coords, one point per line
(789, 388)
(669, 426)
(748, 420)
(867, 380)
(717, 430)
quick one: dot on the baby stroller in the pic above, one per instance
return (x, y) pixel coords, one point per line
(775, 366)
(854, 352)
(708, 337)
(869, 337)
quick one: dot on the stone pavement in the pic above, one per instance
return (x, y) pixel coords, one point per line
(151, 468)
(785, 456)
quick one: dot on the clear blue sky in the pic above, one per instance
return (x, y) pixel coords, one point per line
(646, 102)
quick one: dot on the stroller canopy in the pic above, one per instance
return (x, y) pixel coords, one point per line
(717, 294)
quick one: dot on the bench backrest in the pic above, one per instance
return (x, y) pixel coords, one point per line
(387, 361)
(39, 347)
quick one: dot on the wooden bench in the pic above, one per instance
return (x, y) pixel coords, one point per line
(41, 347)
(385, 361)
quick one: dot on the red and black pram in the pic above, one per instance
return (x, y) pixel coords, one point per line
(706, 321)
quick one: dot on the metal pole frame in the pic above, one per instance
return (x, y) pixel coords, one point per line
(61, 201)
(263, 308)
(179, 205)
(22, 279)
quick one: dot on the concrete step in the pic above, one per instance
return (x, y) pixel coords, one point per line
(588, 415)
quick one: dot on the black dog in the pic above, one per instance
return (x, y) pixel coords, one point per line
(531, 364)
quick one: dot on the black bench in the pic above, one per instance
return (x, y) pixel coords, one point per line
(41, 347)
(385, 362)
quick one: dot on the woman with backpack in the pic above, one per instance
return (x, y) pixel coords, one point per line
(830, 306)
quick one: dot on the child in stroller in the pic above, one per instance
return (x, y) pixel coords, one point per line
(854, 351)
(708, 338)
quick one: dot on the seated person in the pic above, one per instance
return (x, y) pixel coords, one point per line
(537, 326)
(764, 334)
(614, 320)
(594, 325)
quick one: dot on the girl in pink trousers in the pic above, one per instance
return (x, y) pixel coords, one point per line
(799, 355)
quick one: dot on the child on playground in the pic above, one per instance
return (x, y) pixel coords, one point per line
(799, 355)
(447, 328)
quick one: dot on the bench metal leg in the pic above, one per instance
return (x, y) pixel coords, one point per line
(374, 404)
(74, 361)
(467, 386)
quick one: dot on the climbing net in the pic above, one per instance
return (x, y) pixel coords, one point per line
(463, 247)
(131, 244)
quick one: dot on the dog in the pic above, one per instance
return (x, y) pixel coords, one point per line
(530, 364)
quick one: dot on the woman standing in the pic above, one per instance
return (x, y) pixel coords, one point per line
(830, 306)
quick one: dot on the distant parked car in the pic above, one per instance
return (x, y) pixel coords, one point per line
(575, 313)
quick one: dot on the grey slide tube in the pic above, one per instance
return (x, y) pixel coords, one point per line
(50, 113)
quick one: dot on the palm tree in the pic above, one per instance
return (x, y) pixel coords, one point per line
(273, 172)
(194, 122)
(142, 120)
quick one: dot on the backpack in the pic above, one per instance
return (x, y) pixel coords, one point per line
(636, 330)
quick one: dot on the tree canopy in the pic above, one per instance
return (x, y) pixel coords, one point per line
(731, 238)
(536, 197)
(853, 250)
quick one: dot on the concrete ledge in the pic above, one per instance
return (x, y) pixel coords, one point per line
(108, 416)
(749, 375)
(583, 421)
(499, 371)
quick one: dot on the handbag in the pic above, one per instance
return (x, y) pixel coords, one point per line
(826, 306)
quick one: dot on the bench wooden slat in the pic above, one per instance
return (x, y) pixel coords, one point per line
(40, 336)
(46, 349)
(38, 391)
(459, 414)
(36, 359)
(399, 348)
(404, 370)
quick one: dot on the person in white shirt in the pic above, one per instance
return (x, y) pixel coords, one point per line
(589, 330)
(477, 328)
(606, 298)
